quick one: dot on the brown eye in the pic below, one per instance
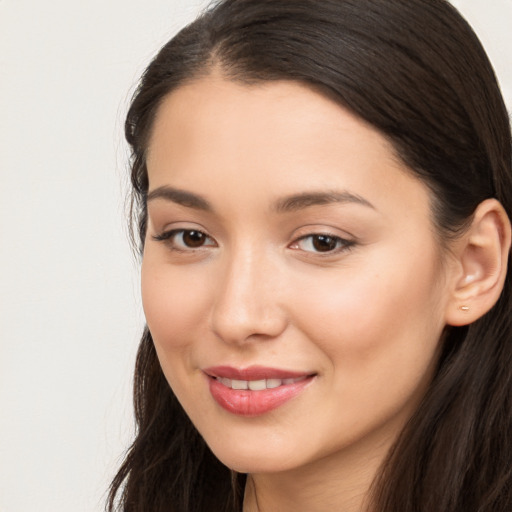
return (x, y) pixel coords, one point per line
(193, 238)
(185, 239)
(317, 243)
(324, 243)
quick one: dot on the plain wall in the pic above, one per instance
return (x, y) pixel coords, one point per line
(70, 314)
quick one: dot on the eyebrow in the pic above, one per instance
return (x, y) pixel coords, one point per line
(305, 200)
(286, 204)
(181, 197)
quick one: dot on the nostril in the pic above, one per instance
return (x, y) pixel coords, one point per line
(242, 323)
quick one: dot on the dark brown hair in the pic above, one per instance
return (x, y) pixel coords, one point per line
(414, 70)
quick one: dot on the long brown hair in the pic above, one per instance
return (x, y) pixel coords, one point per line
(414, 70)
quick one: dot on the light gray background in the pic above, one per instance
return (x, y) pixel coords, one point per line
(70, 315)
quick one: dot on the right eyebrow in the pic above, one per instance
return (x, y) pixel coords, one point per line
(181, 197)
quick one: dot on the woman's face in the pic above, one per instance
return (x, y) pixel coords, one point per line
(291, 277)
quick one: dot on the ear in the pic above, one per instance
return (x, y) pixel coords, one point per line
(481, 256)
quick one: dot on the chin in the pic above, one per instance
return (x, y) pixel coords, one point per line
(254, 465)
(255, 458)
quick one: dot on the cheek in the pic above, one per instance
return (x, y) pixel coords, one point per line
(173, 300)
(379, 329)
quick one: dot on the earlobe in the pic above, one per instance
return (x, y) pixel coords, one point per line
(482, 255)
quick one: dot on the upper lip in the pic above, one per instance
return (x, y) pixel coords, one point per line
(253, 373)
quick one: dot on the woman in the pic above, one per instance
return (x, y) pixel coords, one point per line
(323, 193)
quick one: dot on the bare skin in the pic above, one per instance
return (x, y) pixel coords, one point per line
(283, 232)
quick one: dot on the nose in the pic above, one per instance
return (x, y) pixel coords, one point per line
(247, 303)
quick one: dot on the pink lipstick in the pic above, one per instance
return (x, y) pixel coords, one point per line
(255, 390)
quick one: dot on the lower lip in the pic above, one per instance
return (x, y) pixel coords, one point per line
(254, 403)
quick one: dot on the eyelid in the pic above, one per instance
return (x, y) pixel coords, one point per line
(167, 237)
(342, 242)
(345, 243)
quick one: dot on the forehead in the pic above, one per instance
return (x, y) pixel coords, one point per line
(272, 138)
(260, 111)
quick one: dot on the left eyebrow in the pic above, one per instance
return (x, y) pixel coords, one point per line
(305, 200)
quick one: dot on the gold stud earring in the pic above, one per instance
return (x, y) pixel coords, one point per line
(464, 308)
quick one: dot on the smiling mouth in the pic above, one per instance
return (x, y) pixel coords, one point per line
(257, 385)
(256, 390)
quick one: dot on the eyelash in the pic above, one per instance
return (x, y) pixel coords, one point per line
(341, 244)
(169, 238)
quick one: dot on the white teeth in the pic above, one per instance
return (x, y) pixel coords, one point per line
(226, 381)
(239, 384)
(273, 383)
(257, 385)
